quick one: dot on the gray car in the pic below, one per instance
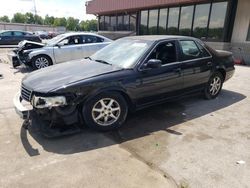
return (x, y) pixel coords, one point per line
(64, 47)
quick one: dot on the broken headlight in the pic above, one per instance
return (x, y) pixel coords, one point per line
(48, 102)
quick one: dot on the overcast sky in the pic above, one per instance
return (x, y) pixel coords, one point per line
(57, 8)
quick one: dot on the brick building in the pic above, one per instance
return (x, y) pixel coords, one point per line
(224, 24)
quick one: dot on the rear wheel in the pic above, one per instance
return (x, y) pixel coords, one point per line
(106, 111)
(41, 61)
(214, 86)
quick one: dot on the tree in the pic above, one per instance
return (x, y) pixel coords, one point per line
(49, 20)
(72, 24)
(29, 18)
(60, 22)
(88, 25)
(38, 20)
(4, 19)
(18, 18)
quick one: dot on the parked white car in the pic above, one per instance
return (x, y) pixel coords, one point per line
(63, 48)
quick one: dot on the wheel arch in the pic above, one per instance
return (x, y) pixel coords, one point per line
(39, 52)
(121, 91)
(223, 72)
(35, 56)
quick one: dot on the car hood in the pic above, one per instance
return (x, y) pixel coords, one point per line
(27, 45)
(60, 75)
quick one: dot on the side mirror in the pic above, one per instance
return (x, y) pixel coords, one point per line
(59, 45)
(153, 63)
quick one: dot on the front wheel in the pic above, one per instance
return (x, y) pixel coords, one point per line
(214, 86)
(41, 61)
(105, 111)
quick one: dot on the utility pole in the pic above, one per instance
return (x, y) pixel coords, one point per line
(34, 1)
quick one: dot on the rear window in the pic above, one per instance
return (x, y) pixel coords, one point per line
(91, 39)
(190, 50)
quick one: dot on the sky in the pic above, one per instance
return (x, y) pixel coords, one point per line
(57, 8)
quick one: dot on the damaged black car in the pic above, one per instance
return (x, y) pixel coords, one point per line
(130, 74)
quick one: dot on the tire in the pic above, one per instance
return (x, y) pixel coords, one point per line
(214, 86)
(106, 111)
(41, 61)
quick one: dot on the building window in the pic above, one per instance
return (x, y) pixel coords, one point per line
(163, 16)
(126, 22)
(173, 20)
(248, 35)
(144, 22)
(112, 23)
(153, 22)
(186, 20)
(132, 26)
(106, 23)
(217, 20)
(201, 20)
(101, 23)
(120, 23)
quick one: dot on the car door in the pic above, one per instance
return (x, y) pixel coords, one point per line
(196, 64)
(18, 36)
(91, 44)
(68, 49)
(6, 38)
(160, 83)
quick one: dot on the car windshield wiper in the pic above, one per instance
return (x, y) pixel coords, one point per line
(102, 61)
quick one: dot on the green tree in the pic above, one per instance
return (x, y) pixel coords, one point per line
(88, 25)
(4, 19)
(38, 20)
(72, 24)
(60, 22)
(49, 20)
(18, 18)
(29, 18)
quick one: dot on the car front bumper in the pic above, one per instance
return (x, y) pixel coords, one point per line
(14, 59)
(22, 110)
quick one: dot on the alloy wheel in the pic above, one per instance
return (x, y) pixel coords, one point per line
(215, 85)
(106, 111)
(41, 62)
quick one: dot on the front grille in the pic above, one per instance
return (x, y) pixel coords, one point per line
(26, 93)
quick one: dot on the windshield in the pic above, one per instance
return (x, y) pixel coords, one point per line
(55, 40)
(123, 52)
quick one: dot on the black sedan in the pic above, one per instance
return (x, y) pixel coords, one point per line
(130, 74)
(14, 37)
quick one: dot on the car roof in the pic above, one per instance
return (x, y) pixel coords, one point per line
(82, 33)
(3, 31)
(14, 30)
(159, 37)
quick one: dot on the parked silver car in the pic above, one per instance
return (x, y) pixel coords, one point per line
(64, 47)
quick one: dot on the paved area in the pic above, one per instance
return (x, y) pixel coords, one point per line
(3, 54)
(191, 143)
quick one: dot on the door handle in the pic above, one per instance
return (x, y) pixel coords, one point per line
(78, 48)
(209, 64)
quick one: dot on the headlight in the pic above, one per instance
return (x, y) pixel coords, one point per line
(20, 44)
(48, 102)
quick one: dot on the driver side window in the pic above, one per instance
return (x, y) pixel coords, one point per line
(166, 52)
(73, 40)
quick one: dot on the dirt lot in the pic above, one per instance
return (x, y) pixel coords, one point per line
(191, 143)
